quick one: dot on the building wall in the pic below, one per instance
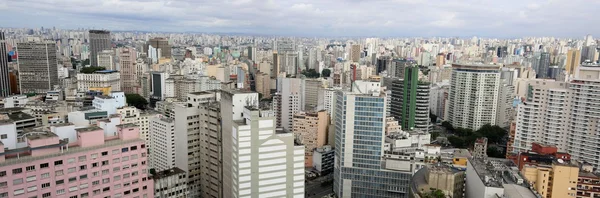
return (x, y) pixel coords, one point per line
(292, 100)
(476, 188)
(127, 61)
(99, 41)
(38, 67)
(5, 86)
(162, 138)
(112, 80)
(311, 129)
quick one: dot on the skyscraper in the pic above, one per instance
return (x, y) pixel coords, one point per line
(359, 138)
(355, 53)
(275, 67)
(99, 41)
(4, 78)
(292, 100)
(473, 96)
(544, 65)
(127, 61)
(410, 100)
(573, 61)
(161, 45)
(38, 66)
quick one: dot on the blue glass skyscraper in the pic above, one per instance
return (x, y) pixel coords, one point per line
(359, 121)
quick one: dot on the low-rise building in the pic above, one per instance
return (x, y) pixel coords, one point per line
(430, 178)
(322, 159)
(170, 183)
(15, 101)
(104, 78)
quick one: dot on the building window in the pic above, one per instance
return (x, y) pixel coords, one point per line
(45, 175)
(19, 191)
(57, 163)
(82, 167)
(2, 173)
(58, 173)
(45, 185)
(60, 192)
(71, 170)
(30, 168)
(4, 136)
(17, 171)
(46, 195)
(17, 181)
(59, 182)
(82, 158)
(84, 176)
(31, 178)
(105, 153)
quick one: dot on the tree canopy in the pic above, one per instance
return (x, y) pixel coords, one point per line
(311, 73)
(326, 73)
(464, 138)
(90, 70)
(136, 100)
(437, 193)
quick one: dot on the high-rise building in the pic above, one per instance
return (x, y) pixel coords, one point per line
(505, 110)
(383, 62)
(263, 84)
(311, 93)
(4, 78)
(292, 100)
(410, 100)
(162, 143)
(275, 68)
(355, 53)
(38, 66)
(265, 162)
(93, 165)
(106, 59)
(161, 45)
(211, 165)
(360, 124)
(99, 41)
(473, 97)
(573, 61)
(311, 129)
(544, 65)
(127, 61)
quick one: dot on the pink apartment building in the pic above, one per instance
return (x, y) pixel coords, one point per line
(93, 166)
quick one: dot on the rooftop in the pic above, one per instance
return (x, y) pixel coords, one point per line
(36, 136)
(88, 129)
(20, 116)
(128, 125)
(167, 173)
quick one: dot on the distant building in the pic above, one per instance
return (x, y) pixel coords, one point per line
(495, 178)
(99, 79)
(99, 41)
(106, 59)
(129, 77)
(161, 45)
(38, 67)
(15, 101)
(322, 159)
(5, 86)
(310, 128)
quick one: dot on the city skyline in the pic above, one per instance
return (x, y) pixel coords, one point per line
(350, 18)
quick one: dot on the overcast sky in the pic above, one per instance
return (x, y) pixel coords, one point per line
(395, 18)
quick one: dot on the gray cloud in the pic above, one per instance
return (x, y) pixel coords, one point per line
(488, 18)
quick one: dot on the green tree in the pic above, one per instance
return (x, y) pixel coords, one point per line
(457, 142)
(494, 133)
(311, 73)
(89, 70)
(437, 193)
(326, 73)
(136, 100)
(85, 62)
(495, 152)
(447, 125)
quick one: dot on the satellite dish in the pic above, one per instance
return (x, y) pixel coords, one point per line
(560, 161)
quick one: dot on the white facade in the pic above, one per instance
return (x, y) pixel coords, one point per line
(111, 103)
(505, 108)
(15, 101)
(106, 59)
(473, 97)
(110, 79)
(327, 99)
(8, 134)
(292, 100)
(263, 158)
(162, 138)
(476, 188)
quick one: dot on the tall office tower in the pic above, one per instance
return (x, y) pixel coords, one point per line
(311, 92)
(311, 129)
(38, 67)
(544, 117)
(127, 61)
(263, 84)
(544, 65)
(506, 94)
(582, 137)
(292, 100)
(162, 143)
(161, 45)
(327, 99)
(265, 162)
(410, 100)
(211, 165)
(355, 53)
(383, 62)
(275, 67)
(397, 66)
(473, 97)
(360, 124)
(99, 41)
(4, 78)
(94, 165)
(190, 137)
(251, 53)
(106, 59)
(289, 62)
(312, 59)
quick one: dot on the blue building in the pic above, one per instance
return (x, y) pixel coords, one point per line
(359, 121)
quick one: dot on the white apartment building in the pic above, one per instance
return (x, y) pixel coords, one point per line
(15, 101)
(473, 97)
(543, 117)
(292, 100)
(105, 78)
(162, 139)
(265, 162)
(506, 94)
(109, 103)
(132, 115)
(106, 59)
(326, 99)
